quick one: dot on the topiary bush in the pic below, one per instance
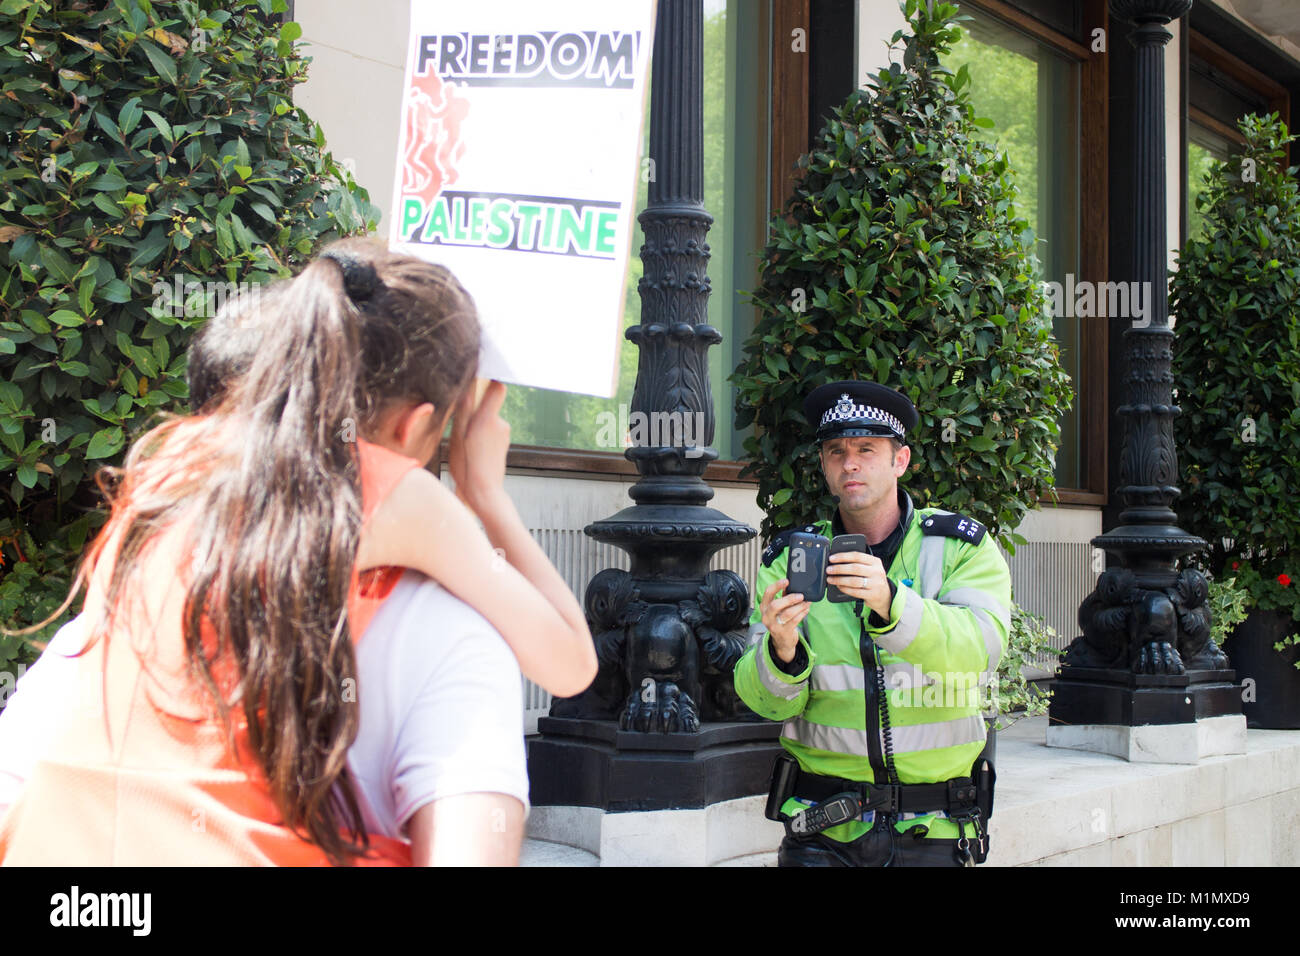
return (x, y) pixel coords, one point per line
(153, 162)
(1236, 295)
(901, 259)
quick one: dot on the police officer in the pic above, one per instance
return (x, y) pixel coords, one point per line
(882, 697)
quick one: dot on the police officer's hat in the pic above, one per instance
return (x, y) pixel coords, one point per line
(857, 409)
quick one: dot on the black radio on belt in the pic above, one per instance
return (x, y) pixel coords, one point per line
(840, 808)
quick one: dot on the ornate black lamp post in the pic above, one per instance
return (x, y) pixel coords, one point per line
(661, 726)
(1145, 656)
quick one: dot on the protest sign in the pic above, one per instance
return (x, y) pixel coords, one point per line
(517, 169)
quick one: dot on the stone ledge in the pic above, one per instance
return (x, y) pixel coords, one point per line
(1156, 743)
(1067, 807)
(1053, 807)
(544, 853)
(731, 830)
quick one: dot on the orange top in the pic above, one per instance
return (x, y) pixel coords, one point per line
(143, 775)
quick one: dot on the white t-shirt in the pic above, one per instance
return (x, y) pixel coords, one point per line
(25, 722)
(441, 707)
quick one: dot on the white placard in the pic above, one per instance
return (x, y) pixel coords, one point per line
(517, 169)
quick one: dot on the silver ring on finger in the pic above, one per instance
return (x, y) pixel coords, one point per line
(863, 585)
(780, 619)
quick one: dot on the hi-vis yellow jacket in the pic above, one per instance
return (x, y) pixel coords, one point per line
(947, 629)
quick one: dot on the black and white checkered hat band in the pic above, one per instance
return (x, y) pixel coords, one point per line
(867, 414)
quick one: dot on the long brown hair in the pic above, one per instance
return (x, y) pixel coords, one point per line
(276, 510)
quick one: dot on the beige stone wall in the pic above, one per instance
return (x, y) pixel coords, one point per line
(354, 89)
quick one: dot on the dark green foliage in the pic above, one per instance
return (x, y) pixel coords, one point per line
(901, 259)
(142, 142)
(1236, 296)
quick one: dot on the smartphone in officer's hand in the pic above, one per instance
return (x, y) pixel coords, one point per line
(806, 566)
(841, 544)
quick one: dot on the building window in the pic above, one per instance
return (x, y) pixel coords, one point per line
(1204, 147)
(736, 100)
(1221, 88)
(1031, 92)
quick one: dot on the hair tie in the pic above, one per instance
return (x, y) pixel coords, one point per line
(359, 277)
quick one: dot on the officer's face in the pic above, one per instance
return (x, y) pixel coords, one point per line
(863, 472)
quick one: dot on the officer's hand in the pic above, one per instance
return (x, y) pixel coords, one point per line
(861, 576)
(781, 617)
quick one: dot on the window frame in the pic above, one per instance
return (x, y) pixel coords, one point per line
(1276, 95)
(1094, 116)
(789, 108)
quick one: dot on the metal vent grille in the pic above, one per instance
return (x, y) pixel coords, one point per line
(1051, 579)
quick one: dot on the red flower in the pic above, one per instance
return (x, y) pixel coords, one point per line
(1234, 565)
(1283, 580)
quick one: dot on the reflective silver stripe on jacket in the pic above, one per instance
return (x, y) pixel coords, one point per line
(988, 611)
(929, 566)
(773, 684)
(839, 740)
(904, 676)
(909, 624)
(898, 676)
(974, 597)
(838, 677)
(949, 733)
(846, 740)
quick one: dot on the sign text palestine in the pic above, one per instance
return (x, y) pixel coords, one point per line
(525, 223)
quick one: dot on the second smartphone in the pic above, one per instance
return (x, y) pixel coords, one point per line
(807, 564)
(841, 544)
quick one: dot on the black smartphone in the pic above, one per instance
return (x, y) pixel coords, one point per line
(806, 566)
(840, 544)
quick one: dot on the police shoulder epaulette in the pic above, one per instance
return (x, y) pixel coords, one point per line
(953, 526)
(780, 540)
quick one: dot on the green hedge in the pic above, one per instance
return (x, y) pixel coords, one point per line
(1236, 369)
(901, 258)
(147, 144)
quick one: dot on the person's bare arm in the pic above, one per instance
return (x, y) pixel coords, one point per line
(506, 531)
(480, 440)
(470, 829)
(422, 525)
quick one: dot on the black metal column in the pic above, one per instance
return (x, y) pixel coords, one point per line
(661, 726)
(1145, 655)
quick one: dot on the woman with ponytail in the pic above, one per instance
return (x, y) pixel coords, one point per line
(224, 596)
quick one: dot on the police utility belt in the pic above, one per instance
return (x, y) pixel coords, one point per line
(839, 800)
